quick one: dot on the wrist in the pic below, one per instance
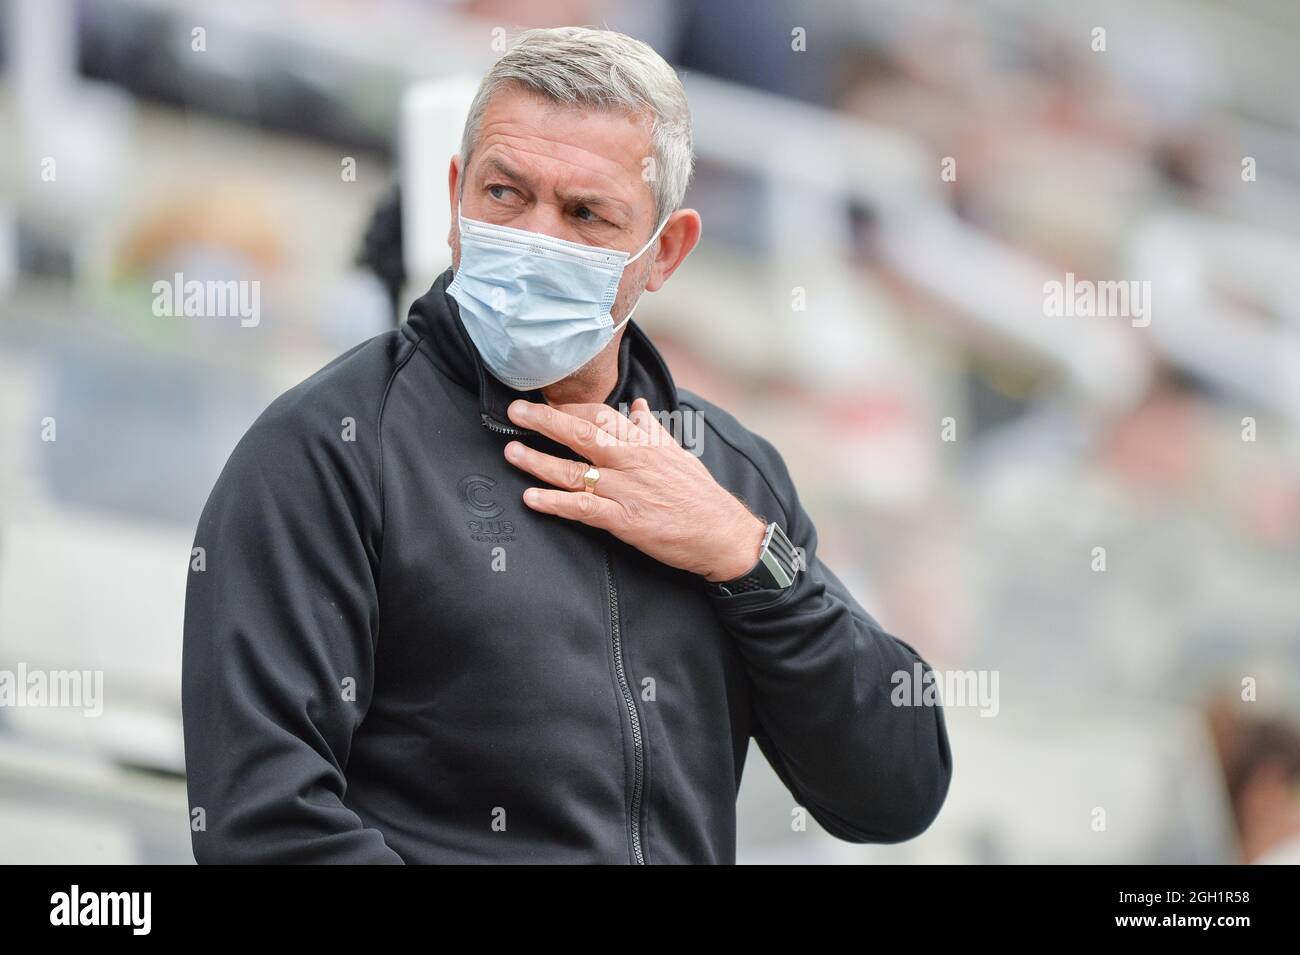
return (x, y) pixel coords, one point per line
(742, 554)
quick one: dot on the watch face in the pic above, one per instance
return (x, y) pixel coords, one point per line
(778, 558)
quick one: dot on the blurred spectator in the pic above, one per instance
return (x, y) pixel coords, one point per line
(1261, 768)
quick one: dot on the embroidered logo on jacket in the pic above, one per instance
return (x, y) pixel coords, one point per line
(475, 490)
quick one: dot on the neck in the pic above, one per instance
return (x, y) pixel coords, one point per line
(593, 383)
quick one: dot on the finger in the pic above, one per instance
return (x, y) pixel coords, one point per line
(614, 424)
(573, 505)
(562, 472)
(648, 422)
(577, 433)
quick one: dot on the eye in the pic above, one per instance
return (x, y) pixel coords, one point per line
(498, 191)
(586, 215)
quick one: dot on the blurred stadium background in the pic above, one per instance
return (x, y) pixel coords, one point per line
(819, 169)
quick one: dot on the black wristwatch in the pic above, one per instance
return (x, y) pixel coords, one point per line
(778, 562)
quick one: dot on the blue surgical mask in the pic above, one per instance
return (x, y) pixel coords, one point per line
(536, 307)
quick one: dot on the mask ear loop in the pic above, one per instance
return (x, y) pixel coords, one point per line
(650, 242)
(628, 317)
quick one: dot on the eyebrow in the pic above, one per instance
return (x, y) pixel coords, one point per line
(505, 170)
(574, 198)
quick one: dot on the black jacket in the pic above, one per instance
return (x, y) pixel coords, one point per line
(390, 658)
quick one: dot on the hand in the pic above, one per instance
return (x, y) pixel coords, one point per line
(652, 494)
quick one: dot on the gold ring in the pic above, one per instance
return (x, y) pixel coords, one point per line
(590, 477)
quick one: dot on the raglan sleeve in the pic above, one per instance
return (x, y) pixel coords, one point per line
(281, 619)
(823, 672)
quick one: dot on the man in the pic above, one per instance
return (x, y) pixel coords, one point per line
(456, 606)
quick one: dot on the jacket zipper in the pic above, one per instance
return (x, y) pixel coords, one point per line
(492, 424)
(638, 741)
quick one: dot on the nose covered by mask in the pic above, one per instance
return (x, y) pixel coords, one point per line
(536, 307)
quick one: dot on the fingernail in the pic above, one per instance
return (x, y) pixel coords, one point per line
(531, 496)
(514, 451)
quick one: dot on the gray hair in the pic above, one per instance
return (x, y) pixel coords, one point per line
(600, 69)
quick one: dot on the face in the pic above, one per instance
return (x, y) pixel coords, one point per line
(573, 175)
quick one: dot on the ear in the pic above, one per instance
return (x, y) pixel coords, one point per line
(453, 184)
(678, 238)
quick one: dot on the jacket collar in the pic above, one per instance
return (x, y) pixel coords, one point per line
(435, 317)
